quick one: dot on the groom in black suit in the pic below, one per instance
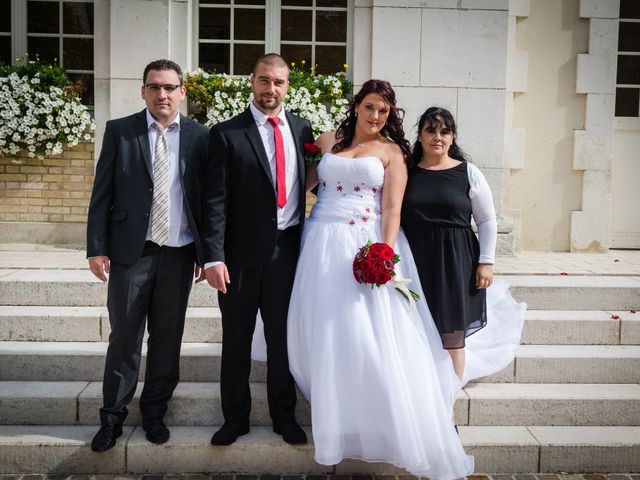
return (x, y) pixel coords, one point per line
(143, 232)
(252, 223)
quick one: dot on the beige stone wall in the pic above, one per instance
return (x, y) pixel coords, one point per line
(54, 189)
(544, 193)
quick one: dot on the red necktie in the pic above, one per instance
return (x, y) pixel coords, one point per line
(281, 172)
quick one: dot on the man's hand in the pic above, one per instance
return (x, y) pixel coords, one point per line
(99, 266)
(484, 275)
(218, 277)
(198, 273)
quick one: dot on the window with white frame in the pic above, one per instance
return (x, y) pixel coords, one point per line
(628, 78)
(315, 31)
(232, 34)
(58, 32)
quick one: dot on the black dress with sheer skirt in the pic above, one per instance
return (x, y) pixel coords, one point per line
(436, 218)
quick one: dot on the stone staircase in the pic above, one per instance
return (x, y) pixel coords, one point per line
(569, 402)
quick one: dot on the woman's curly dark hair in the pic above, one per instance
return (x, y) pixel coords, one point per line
(392, 129)
(437, 117)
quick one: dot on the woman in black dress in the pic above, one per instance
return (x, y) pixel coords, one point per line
(443, 192)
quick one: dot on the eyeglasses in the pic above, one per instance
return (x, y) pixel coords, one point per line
(155, 88)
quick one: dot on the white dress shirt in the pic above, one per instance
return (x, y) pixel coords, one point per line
(179, 231)
(288, 215)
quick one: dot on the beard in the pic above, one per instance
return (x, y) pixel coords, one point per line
(269, 106)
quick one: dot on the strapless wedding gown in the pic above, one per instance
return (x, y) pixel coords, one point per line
(371, 364)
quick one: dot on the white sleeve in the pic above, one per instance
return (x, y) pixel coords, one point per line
(484, 214)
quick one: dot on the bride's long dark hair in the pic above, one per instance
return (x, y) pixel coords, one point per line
(393, 127)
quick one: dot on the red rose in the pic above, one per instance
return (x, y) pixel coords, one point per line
(384, 250)
(374, 255)
(387, 252)
(311, 149)
(378, 267)
(312, 153)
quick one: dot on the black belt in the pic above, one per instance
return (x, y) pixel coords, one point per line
(151, 245)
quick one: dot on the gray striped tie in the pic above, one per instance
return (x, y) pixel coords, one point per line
(160, 201)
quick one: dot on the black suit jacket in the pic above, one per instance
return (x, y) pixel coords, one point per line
(120, 206)
(240, 219)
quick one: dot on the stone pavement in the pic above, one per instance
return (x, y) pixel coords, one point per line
(586, 476)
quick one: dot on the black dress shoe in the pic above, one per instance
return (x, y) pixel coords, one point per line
(229, 433)
(156, 430)
(106, 437)
(291, 432)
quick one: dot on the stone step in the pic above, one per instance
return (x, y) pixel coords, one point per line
(575, 327)
(520, 449)
(552, 404)
(198, 404)
(575, 292)
(200, 362)
(71, 288)
(540, 292)
(91, 324)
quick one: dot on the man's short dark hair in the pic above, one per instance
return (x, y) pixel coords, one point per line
(162, 64)
(272, 59)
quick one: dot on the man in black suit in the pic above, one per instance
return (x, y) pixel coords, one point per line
(252, 223)
(143, 231)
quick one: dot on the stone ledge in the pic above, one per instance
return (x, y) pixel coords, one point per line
(49, 233)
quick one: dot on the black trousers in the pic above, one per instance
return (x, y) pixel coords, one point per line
(156, 289)
(267, 288)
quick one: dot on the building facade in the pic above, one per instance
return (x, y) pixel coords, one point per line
(545, 92)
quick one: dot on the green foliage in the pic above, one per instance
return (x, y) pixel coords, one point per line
(299, 77)
(50, 75)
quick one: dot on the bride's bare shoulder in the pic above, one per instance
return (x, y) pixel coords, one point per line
(390, 151)
(326, 141)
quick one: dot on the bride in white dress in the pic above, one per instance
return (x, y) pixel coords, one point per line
(380, 385)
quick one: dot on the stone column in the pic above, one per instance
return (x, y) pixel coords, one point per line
(593, 146)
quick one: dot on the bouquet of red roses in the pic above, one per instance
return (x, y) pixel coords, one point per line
(312, 153)
(374, 265)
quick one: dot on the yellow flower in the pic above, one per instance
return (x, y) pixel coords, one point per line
(293, 64)
(346, 65)
(303, 62)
